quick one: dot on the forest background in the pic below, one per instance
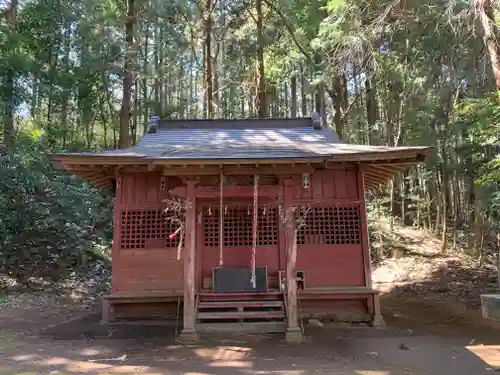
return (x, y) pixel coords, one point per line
(88, 75)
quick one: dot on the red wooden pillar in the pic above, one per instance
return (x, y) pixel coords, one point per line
(189, 333)
(115, 249)
(377, 319)
(107, 309)
(293, 331)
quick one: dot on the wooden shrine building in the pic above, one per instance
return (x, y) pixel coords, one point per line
(241, 223)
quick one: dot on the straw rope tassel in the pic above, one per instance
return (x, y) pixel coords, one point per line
(254, 227)
(221, 221)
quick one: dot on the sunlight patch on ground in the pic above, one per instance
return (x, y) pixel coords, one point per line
(24, 357)
(280, 372)
(223, 353)
(90, 352)
(75, 366)
(235, 364)
(489, 354)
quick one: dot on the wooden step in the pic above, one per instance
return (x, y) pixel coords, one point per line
(218, 297)
(238, 304)
(242, 294)
(241, 315)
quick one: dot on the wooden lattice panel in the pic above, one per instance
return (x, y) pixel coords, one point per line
(140, 229)
(238, 227)
(331, 225)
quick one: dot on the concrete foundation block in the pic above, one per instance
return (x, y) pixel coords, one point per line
(490, 306)
(378, 321)
(294, 335)
(188, 336)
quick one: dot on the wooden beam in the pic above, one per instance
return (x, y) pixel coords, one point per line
(209, 170)
(389, 168)
(189, 333)
(87, 176)
(100, 180)
(229, 191)
(379, 172)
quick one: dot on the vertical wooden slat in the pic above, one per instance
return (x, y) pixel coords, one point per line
(351, 183)
(340, 183)
(152, 188)
(115, 250)
(200, 236)
(282, 228)
(188, 333)
(316, 182)
(365, 239)
(328, 181)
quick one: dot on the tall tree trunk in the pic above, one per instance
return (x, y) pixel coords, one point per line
(261, 79)
(9, 104)
(34, 98)
(216, 90)
(135, 114)
(303, 94)
(371, 105)
(145, 66)
(491, 38)
(208, 59)
(66, 91)
(157, 70)
(339, 106)
(293, 97)
(128, 76)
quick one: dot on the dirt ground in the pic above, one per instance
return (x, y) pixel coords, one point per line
(423, 337)
(430, 302)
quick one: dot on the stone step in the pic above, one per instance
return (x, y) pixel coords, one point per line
(241, 315)
(242, 327)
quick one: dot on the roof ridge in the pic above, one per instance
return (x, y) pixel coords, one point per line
(156, 123)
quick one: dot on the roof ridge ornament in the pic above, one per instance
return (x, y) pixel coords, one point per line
(317, 121)
(153, 124)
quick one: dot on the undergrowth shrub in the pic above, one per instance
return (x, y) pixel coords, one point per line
(50, 221)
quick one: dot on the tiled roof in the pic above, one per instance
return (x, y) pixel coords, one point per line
(244, 141)
(262, 139)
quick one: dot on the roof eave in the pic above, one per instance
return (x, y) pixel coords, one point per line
(419, 154)
(378, 167)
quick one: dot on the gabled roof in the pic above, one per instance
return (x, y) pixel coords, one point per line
(247, 141)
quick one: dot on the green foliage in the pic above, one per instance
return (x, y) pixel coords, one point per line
(50, 220)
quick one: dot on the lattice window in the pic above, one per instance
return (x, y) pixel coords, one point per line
(238, 227)
(140, 228)
(331, 225)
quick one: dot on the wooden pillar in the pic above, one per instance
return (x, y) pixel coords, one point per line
(293, 331)
(189, 333)
(377, 319)
(115, 249)
(106, 307)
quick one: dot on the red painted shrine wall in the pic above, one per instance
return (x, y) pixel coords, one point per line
(145, 259)
(330, 245)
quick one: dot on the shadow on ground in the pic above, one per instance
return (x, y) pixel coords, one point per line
(435, 328)
(84, 346)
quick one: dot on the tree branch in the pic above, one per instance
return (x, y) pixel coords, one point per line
(288, 27)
